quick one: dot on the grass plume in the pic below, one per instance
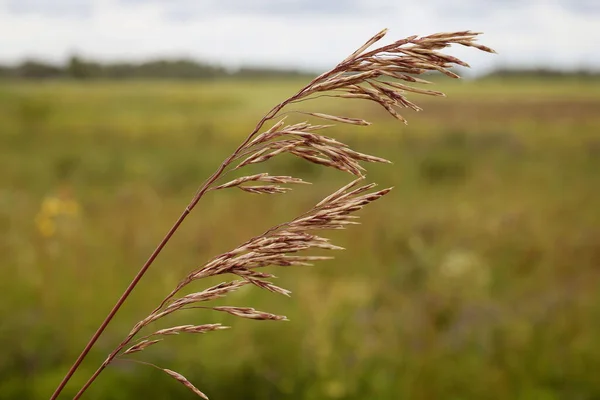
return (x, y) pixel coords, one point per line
(371, 75)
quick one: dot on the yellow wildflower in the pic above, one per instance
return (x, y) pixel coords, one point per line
(53, 210)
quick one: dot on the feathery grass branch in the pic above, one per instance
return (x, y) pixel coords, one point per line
(371, 75)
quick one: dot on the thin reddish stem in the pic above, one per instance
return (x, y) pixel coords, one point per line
(119, 303)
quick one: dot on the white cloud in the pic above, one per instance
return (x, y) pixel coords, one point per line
(297, 33)
(44, 7)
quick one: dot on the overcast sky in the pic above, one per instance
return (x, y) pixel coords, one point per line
(308, 34)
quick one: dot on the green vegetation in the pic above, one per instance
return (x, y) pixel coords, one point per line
(477, 277)
(189, 69)
(78, 68)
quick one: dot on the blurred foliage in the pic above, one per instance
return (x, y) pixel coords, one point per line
(79, 68)
(477, 277)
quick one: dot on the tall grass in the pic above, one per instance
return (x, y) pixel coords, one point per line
(478, 284)
(372, 75)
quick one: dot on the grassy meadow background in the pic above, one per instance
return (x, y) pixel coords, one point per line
(477, 277)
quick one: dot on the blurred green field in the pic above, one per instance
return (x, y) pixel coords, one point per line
(477, 277)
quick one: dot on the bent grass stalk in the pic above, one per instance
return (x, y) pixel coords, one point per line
(372, 75)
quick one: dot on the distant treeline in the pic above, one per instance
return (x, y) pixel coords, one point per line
(542, 73)
(78, 68)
